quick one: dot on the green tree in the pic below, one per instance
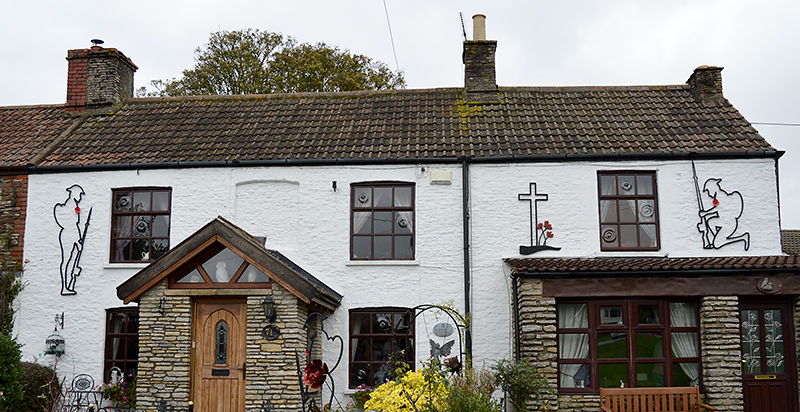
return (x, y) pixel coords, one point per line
(257, 62)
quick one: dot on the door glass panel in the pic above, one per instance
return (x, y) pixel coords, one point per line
(221, 344)
(751, 342)
(773, 341)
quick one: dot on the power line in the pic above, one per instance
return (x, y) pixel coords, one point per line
(391, 36)
(777, 124)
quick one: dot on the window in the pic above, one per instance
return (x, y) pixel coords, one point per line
(122, 343)
(219, 268)
(374, 335)
(140, 224)
(628, 211)
(638, 343)
(382, 221)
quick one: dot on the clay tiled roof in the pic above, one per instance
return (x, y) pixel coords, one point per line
(617, 266)
(26, 130)
(409, 124)
(790, 242)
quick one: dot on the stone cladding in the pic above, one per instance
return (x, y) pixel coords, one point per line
(720, 343)
(13, 200)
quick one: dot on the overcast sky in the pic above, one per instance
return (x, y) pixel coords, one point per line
(540, 43)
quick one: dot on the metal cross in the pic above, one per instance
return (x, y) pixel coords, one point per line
(533, 197)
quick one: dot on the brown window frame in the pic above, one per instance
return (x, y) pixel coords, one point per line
(129, 340)
(371, 336)
(630, 328)
(356, 206)
(236, 273)
(128, 249)
(611, 228)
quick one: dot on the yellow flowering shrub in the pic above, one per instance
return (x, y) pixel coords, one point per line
(423, 388)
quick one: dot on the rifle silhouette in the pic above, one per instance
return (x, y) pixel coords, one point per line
(702, 227)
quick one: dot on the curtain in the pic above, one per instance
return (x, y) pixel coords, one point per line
(123, 229)
(572, 345)
(684, 344)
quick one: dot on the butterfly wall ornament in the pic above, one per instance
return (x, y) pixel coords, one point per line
(438, 351)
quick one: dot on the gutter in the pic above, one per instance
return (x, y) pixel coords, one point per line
(568, 157)
(651, 273)
(467, 268)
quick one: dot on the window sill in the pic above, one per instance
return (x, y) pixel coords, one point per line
(126, 265)
(382, 263)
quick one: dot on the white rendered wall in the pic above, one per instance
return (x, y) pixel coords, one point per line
(302, 216)
(500, 223)
(297, 210)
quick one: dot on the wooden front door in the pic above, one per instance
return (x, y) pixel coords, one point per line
(220, 331)
(769, 374)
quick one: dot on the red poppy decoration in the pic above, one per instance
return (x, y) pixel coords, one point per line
(77, 209)
(315, 374)
(539, 226)
(547, 225)
(715, 202)
(549, 234)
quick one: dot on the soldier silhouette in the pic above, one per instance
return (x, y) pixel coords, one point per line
(70, 237)
(720, 222)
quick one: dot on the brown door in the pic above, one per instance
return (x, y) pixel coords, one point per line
(219, 356)
(768, 357)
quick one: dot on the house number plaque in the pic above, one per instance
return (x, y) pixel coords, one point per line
(271, 332)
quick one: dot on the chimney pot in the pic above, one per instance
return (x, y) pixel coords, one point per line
(479, 27)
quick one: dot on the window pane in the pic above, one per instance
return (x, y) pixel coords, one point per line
(647, 210)
(160, 248)
(573, 315)
(611, 315)
(362, 197)
(650, 375)
(382, 196)
(402, 196)
(403, 248)
(161, 226)
(141, 201)
(573, 346)
(574, 376)
(122, 228)
(252, 275)
(683, 314)
(122, 201)
(609, 236)
(383, 222)
(751, 342)
(141, 249)
(141, 226)
(132, 348)
(608, 211)
(383, 247)
(401, 323)
(644, 185)
(360, 348)
(627, 212)
(684, 345)
(382, 323)
(685, 374)
(222, 266)
(647, 235)
(649, 345)
(613, 375)
(649, 315)
(116, 349)
(627, 185)
(381, 349)
(608, 185)
(627, 236)
(360, 375)
(193, 277)
(161, 201)
(362, 222)
(612, 346)
(403, 222)
(362, 247)
(361, 322)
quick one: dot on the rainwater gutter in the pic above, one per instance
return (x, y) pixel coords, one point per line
(467, 268)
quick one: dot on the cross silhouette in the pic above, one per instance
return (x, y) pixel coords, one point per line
(533, 197)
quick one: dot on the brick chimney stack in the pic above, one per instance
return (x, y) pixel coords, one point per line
(98, 78)
(706, 83)
(480, 82)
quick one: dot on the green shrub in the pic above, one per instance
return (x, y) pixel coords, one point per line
(10, 374)
(471, 391)
(521, 382)
(41, 388)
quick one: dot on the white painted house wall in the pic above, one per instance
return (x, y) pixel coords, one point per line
(302, 216)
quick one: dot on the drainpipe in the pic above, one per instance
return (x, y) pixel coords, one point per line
(515, 297)
(467, 270)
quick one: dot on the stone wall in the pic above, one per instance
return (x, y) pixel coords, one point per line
(165, 347)
(13, 200)
(720, 343)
